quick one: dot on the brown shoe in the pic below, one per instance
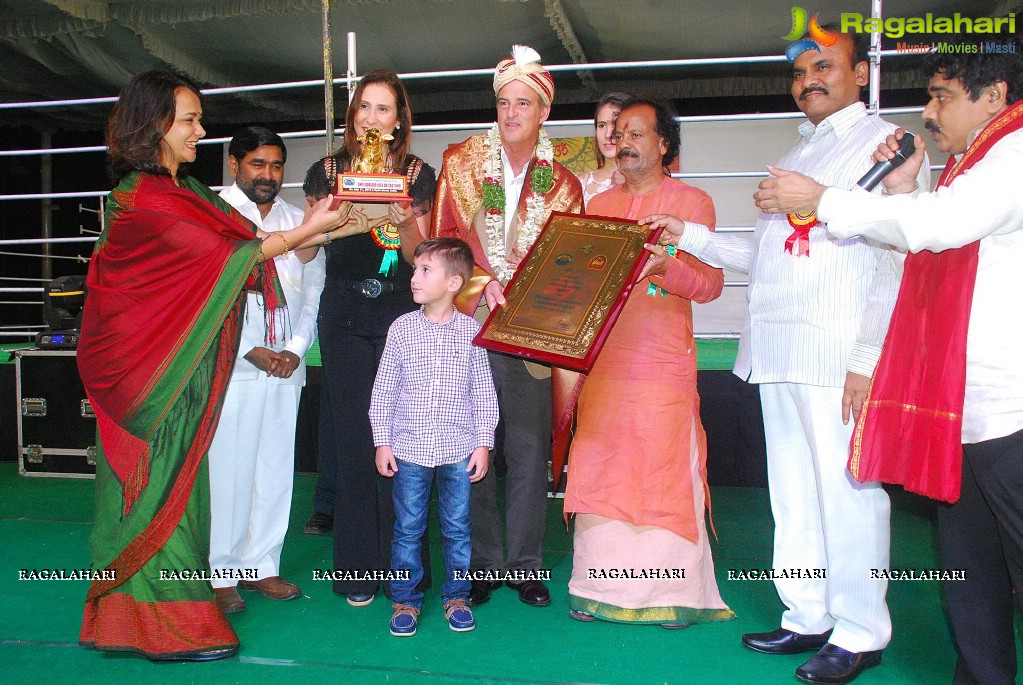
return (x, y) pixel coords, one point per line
(273, 587)
(228, 600)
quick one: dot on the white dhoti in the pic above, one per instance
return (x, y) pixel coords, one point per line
(252, 465)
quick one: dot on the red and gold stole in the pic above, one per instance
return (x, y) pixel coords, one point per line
(909, 430)
(460, 196)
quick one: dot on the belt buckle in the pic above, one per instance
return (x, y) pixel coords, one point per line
(371, 288)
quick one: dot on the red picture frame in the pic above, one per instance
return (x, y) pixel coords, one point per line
(569, 290)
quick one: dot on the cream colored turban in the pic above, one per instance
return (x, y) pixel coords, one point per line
(524, 65)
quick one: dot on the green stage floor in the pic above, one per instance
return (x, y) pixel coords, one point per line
(318, 638)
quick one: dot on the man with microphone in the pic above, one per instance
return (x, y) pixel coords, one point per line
(818, 311)
(944, 416)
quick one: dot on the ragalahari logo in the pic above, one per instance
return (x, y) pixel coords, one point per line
(818, 35)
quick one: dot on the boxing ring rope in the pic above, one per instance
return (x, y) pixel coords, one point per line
(874, 106)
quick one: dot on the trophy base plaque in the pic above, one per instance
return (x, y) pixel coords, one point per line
(354, 187)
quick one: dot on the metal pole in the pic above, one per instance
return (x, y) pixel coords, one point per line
(328, 78)
(46, 211)
(352, 68)
(875, 61)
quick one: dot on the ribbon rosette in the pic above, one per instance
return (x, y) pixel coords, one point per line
(388, 239)
(654, 290)
(798, 243)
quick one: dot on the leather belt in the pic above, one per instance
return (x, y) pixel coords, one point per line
(371, 287)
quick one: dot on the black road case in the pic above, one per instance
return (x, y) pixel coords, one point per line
(56, 424)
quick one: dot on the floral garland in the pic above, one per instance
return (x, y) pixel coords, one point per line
(541, 180)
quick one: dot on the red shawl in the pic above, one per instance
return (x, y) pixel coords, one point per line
(909, 430)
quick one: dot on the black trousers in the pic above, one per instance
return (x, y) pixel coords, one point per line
(363, 504)
(983, 534)
(525, 404)
(326, 469)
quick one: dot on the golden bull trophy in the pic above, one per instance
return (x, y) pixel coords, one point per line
(368, 180)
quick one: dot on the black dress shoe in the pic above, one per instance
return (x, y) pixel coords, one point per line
(532, 592)
(784, 641)
(836, 665)
(359, 599)
(318, 524)
(480, 591)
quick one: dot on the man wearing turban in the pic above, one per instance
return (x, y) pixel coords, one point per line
(496, 191)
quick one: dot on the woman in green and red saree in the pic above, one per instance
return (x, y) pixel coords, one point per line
(159, 337)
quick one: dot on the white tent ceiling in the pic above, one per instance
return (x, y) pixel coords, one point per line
(52, 49)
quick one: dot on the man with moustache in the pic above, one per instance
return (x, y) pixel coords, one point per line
(944, 416)
(253, 451)
(496, 192)
(817, 315)
(639, 413)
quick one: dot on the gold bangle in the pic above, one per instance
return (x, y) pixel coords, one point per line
(287, 248)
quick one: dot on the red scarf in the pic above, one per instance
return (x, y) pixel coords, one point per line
(909, 430)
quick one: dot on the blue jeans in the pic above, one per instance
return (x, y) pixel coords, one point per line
(411, 490)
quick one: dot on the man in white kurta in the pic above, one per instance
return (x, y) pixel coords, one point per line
(818, 312)
(252, 454)
(970, 230)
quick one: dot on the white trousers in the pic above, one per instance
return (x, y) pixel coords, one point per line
(824, 520)
(252, 467)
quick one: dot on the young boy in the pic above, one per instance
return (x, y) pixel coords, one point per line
(433, 411)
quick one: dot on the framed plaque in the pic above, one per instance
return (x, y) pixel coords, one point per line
(569, 290)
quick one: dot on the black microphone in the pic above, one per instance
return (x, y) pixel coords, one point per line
(882, 169)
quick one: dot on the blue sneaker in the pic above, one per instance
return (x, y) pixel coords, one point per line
(459, 615)
(403, 620)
